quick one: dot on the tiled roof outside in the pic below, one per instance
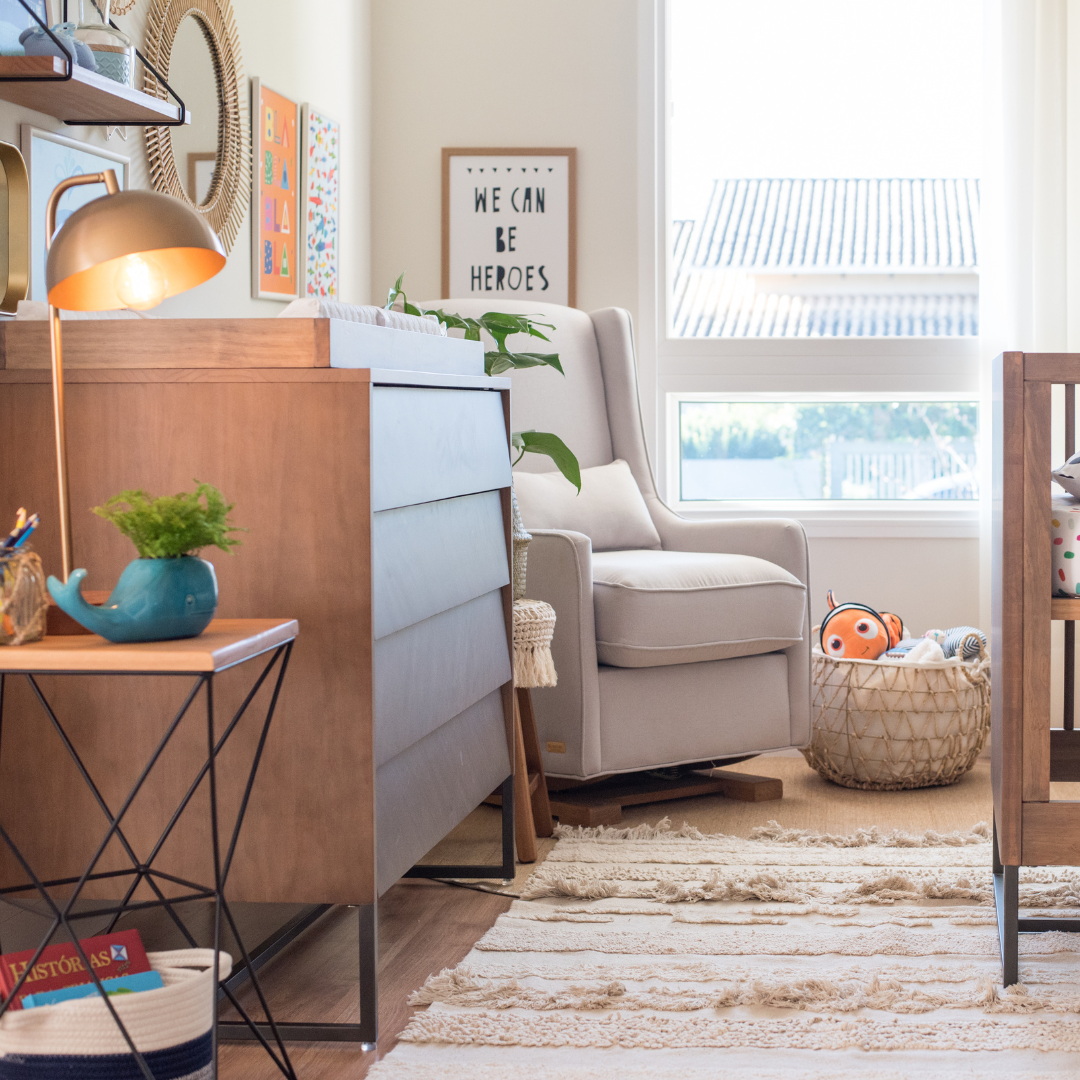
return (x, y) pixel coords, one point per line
(829, 227)
(797, 226)
(723, 305)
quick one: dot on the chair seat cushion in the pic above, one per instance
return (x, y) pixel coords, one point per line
(655, 608)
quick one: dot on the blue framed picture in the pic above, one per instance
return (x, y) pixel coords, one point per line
(14, 19)
(51, 158)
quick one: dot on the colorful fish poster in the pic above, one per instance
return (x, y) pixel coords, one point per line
(277, 269)
(322, 214)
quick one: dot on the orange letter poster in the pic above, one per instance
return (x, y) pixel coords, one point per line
(275, 226)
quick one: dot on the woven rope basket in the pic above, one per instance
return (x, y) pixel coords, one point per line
(521, 537)
(534, 627)
(170, 1026)
(884, 726)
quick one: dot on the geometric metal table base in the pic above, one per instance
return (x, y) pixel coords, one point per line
(366, 1032)
(142, 870)
(1010, 925)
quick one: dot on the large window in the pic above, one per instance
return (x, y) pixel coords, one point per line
(798, 450)
(824, 168)
(820, 193)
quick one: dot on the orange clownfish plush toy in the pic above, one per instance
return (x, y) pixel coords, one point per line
(858, 632)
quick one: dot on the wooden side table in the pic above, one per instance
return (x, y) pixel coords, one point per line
(225, 644)
(1030, 828)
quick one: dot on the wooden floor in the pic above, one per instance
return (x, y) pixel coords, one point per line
(425, 926)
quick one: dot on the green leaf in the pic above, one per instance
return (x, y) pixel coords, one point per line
(495, 363)
(395, 291)
(543, 442)
(501, 325)
(173, 525)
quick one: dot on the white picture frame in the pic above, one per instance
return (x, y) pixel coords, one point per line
(50, 158)
(509, 223)
(276, 273)
(320, 224)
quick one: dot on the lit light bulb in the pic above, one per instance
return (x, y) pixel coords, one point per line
(140, 282)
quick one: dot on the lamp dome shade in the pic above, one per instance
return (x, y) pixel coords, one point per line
(90, 253)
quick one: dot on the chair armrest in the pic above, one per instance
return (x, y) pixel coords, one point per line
(780, 540)
(560, 573)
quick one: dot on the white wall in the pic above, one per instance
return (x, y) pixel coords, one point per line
(504, 73)
(927, 582)
(309, 50)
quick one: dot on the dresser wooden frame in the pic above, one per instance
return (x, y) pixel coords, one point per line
(298, 449)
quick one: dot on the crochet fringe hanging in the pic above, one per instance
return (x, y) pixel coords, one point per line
(534, 625)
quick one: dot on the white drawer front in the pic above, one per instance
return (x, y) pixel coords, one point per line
(432, 670)
(433, 556)
(429, 444)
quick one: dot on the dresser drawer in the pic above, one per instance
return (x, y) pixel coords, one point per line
(433, 556)
(429, 672)
(429, 444)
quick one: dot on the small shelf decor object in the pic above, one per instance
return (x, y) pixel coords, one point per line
(15, 20)
(23, 599)
(114, 54)
(509, 223)
(321, 212)
(883, 725)
(276, 267)
(229, 195)
(167, 592)
(51, 69)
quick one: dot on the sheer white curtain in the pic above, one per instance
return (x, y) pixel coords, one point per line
(1030, 274)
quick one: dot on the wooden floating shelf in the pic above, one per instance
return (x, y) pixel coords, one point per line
(86, 96)
(1065, 608)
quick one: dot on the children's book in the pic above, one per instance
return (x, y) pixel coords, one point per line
(125, 984)
(111, 956)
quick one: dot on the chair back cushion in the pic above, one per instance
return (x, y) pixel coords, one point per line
(610, 509)
(655, 608)
(571, 406)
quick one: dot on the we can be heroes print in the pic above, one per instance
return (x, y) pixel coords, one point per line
(509, 226)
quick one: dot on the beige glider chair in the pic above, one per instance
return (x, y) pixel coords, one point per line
(677, 641)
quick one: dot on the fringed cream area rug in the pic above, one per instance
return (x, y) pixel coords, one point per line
(672, 955)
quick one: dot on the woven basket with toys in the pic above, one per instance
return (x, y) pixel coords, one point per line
(892, 712)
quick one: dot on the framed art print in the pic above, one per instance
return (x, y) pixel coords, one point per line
(509, 224)
(51, 158)
(321, 154)
(276, 269)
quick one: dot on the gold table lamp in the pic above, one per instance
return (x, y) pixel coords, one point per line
(128, 249)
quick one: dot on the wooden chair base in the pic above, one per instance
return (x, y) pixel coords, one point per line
(532, 812)
(602, 802)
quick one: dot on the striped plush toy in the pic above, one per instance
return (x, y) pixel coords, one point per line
(950, 640)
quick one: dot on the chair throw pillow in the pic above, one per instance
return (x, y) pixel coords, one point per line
(610, 509)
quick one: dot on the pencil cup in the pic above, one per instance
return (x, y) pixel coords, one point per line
(23, 599)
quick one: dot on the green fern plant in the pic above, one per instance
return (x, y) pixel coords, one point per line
(501, 326)
(172, 525)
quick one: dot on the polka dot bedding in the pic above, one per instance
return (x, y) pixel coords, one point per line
(1065, 546)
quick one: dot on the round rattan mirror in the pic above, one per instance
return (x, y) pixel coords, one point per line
(196, 47)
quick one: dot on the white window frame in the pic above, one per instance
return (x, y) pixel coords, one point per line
(716, 368)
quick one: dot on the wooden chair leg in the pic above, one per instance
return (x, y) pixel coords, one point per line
(523, 818)
(541, 806)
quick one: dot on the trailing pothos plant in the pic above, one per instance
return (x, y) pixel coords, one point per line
(501, 326)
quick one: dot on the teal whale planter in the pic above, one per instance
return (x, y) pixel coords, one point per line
(154, 600)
